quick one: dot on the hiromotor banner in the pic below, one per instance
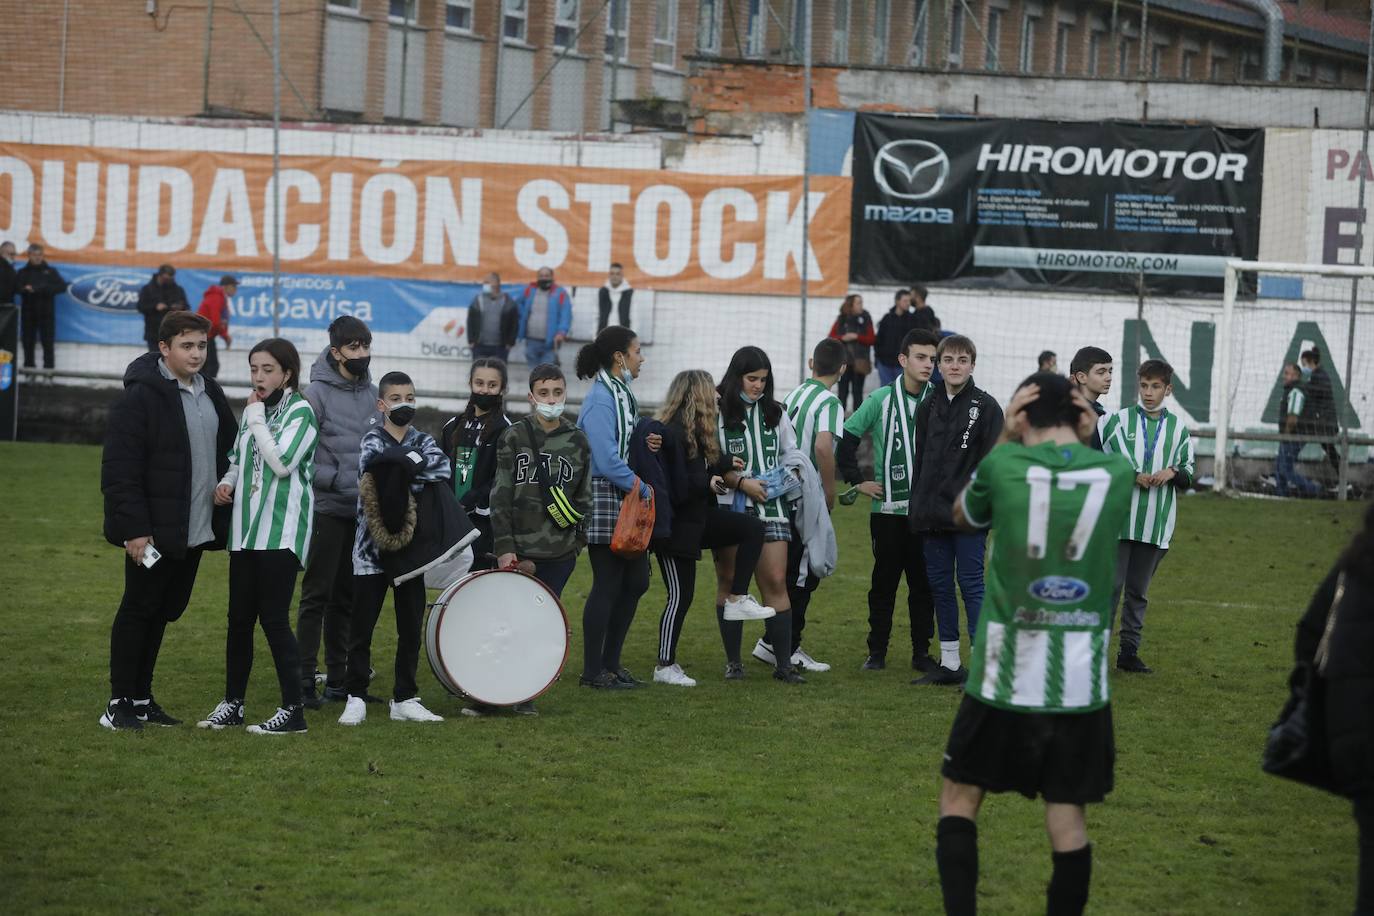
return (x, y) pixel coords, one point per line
(1053, 203)
(424, 220)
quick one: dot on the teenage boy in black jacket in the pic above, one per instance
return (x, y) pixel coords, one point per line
(955, 427)
(166, 447)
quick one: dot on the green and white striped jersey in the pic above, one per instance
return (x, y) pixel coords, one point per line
(761, 448)
(274, 506)
(894, 441)
(813, 409)
(1150, 445)
(1055, 511)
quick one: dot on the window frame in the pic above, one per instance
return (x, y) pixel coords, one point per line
(992, 40)
(1063, 35)
(567, 40)
(879, 32)
(954, 56)
(839, 35)
(710, 29)
(522, 18)
(617, 40)
(413, 7)
(1026, 52)
(919, 52)
(461, 5)
(670, 43)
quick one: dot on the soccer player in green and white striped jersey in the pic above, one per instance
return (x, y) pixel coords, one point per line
(269, 484)
(1036, 717)
(817, 417)
(1157, 445)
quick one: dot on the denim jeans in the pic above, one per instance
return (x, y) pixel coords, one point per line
(538, 352)
(951, 557)
(1286, 473)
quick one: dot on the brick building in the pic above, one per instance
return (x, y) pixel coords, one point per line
(558, 64)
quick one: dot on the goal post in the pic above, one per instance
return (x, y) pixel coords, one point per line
(1230, 332)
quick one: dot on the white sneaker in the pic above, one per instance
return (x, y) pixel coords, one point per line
(806, 663)
(746, 608)
(355, 711)
(673, 674)
(411, 711)
(764, 653)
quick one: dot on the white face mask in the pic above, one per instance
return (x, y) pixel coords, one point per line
(489, 289)
(550, 411)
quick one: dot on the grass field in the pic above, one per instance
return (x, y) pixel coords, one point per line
(728, 798)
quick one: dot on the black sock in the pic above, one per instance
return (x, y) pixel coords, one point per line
(779, 629)
(731, 634)
(956, 854)
(1068, 893)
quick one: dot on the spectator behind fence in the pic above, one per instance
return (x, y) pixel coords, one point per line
(893, 327)
(617, 291)
(854, 328)
(214, 308)
(159, 296)
(39, 286)
(493, 321)
(1047, 361)
(9, 277)
(545, 318)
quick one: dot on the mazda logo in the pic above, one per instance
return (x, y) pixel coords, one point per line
(911, 169)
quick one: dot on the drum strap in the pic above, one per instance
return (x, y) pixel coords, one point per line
(556, 502)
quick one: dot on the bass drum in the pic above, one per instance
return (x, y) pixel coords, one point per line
(498, 636)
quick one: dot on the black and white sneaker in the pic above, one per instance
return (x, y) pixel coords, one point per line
(119, 717)
(228, 714)
(289, 720)
(149, 713)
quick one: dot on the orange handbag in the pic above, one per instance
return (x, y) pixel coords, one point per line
(635, 526)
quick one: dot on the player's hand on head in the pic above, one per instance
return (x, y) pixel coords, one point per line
(1087, 417)
(1015, 417)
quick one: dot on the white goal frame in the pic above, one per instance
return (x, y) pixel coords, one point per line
(1232, 283)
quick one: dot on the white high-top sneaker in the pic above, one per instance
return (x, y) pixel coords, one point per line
(355, 711)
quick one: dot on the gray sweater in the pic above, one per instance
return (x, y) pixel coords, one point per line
(346, 411)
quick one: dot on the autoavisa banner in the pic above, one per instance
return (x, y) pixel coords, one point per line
(1053, 203)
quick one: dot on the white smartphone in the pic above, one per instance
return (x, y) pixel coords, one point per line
(150, 556)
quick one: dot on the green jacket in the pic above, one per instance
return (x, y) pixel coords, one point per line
(519, 522)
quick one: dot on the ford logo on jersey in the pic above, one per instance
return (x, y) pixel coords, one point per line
(112, 291)
(1059, 589)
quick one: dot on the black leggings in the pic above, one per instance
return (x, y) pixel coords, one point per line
(369, 596)
(617, 585)
(261, 583)
(723, 529)
(851, 387)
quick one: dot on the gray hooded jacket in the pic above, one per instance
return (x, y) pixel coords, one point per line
(346, 411)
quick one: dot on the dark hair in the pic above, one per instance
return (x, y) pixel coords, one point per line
(469, 412)
(745, 361)
(545, 372)
(181, 322)
(1045, 356)
(347, 329)
(919, 290)
(1358, 558)
(228, 280)
(617, 265)
(1313, 356)
(1054, 406)
(957, 343)
(167, 270)
(600, 353)
(1086, 358)
(34, 247)
(284, 352)
(897, 296)
(918, 337)
(829, 357)
(1294, 366)
(392, 379)
(1156, 369)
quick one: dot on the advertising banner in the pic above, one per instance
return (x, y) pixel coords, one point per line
(423, 220)
(1333, 211)
(1051, 203)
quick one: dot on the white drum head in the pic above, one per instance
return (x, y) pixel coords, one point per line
(499, 636)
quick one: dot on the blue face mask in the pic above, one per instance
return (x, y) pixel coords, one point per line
(746, 399)
(1306, 371)
(626, 377)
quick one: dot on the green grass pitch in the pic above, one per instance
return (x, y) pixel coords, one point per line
(745, 797)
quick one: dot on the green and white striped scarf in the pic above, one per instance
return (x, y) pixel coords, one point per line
(626, 411)
(899, 444)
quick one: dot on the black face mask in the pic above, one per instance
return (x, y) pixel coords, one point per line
(401, 415)
(486, 401)
(273, 399)
(546, 284)
(357, 367)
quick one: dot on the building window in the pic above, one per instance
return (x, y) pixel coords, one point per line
(917, 56)
(1125, 57)
(956, 36)
(350, 5)
(1156, 59)
(1327, 74)
(992, 37)
(515, 21)
(565, 23)
(458, 15)
(708, 26)
(618, 30)
(839, 45)
(1217, 73)
(1029, 24)
(1187, 64)
(1094, 52)
(665, 33)
(877, 50)
(1250, 66)
(1062, 33)
(756, 28)
(402, 10)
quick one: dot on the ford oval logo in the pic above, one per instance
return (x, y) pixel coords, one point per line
(1059, 589)
(109, 291)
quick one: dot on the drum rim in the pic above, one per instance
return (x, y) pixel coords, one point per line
(441, 607)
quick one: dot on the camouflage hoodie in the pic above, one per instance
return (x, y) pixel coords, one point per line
(519, 523)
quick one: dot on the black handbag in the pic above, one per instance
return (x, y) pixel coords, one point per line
(1297, 747)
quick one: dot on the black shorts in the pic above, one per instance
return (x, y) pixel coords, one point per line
(1067, 758)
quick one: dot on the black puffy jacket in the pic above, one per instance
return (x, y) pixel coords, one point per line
(145, 471)
(951, 438)
(689, 490)
(150, 297)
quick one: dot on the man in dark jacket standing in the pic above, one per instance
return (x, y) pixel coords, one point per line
(159, 296)
(166, 447)
(9, 277)
(39, 286)
(955, 428)
(345, 403)
(892, 330)
(493, 321)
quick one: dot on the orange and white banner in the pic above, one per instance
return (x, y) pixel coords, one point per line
(425, 220)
